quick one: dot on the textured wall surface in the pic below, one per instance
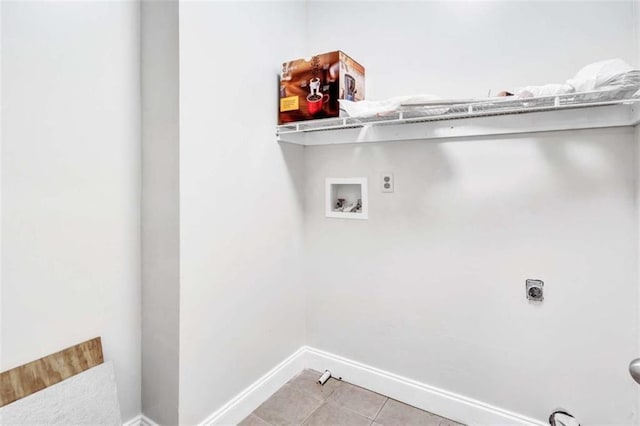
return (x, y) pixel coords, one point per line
(89, 398)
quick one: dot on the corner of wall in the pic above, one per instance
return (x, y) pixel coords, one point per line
(160, 211)
(1, 127)
(637, 183)
(636, 28)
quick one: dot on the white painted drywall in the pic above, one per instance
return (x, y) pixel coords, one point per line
(467, 223)
(432, 286)
(636, 6)
(160, 211)
(465, 48)
(241, 301)
(71, 183)
(637, 141)
(637, 132)
(1, 117)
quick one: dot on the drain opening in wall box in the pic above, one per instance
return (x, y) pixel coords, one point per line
(346, 198)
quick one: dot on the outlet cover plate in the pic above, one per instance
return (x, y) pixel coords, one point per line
(535, 290)
(386, 182)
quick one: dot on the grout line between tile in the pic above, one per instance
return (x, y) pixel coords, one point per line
(332, 399)
(311, 394)
(380, 410)
(336, 403)
(312, 411)
(339, 406)
(254, 414)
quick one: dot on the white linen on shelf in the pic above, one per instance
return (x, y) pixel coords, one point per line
(380, 108)
(612, 77)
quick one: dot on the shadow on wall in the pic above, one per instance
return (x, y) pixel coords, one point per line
(585, 166)
(505, 166)
(293, 157)
(461, 180)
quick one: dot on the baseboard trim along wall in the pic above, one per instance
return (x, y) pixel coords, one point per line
(444, 403)
(140, 420)
(249, 399)
(439, 401)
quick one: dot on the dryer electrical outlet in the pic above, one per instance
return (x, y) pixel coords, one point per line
(535, 290)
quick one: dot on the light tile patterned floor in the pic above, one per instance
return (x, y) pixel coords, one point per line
(302, 401)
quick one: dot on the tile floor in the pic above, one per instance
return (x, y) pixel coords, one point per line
(302, 401)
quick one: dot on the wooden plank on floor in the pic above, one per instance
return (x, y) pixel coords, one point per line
(30, 378)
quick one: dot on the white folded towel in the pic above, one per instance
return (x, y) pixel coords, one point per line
(600, 75)
(546, 90)
(381, 108)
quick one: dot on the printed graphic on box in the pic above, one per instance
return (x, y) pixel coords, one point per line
(310, 89)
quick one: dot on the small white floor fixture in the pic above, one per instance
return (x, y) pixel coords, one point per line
(343, 193)
(325, 376)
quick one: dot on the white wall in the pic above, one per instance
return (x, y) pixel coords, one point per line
(636, 5)
(637, 136)
(637, 131)
(1, 119)
(463, 49)
(432, 285)
(160, 212)
(241, 302)
(71, 183)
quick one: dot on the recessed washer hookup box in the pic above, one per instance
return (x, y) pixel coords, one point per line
(310, 88)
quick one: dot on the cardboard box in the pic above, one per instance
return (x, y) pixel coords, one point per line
(310, 88)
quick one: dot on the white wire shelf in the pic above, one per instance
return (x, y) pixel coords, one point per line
(586, 110)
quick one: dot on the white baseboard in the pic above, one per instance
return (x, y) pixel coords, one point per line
(140, 420)
(136, 421)
(429, 398)
(447, 404)
(146, 421)
(249, 399)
